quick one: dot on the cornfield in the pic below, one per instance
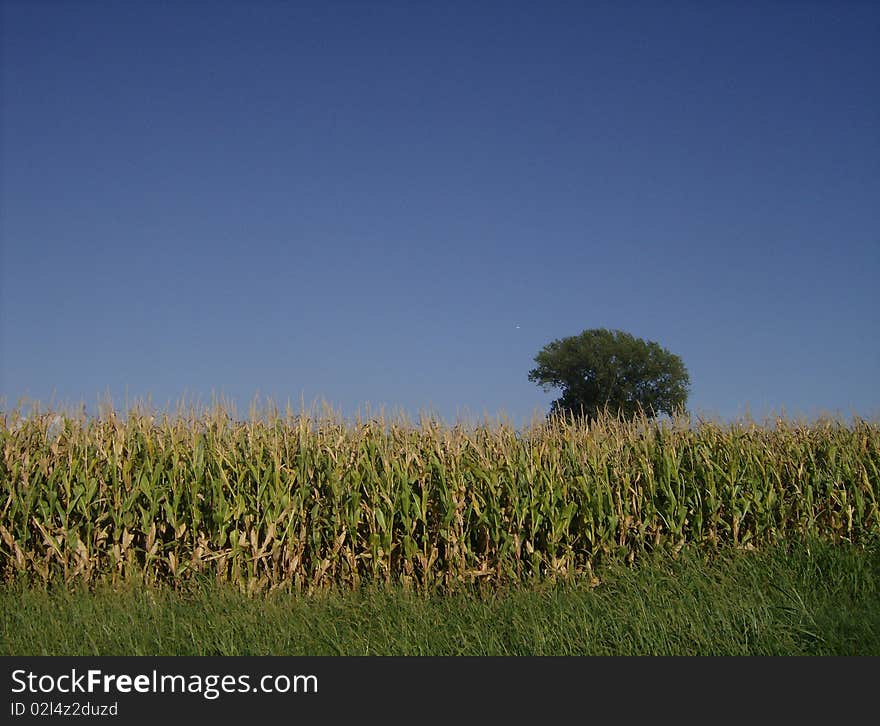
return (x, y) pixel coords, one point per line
(313, 501)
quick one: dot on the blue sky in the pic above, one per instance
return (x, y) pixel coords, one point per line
(360, 202)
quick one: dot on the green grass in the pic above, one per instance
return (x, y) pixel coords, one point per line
(788, 599)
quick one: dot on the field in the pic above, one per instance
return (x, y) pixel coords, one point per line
(444, 524)
(792, 599)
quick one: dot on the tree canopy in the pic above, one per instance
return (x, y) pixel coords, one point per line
(609, 369)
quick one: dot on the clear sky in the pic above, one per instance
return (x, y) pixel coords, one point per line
(400, 203)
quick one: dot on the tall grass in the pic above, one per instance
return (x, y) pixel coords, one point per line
(313, 502)
(793, 598)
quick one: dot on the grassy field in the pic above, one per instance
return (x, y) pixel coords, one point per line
(789, 599)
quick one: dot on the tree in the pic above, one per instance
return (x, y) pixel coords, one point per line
(610, 369)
